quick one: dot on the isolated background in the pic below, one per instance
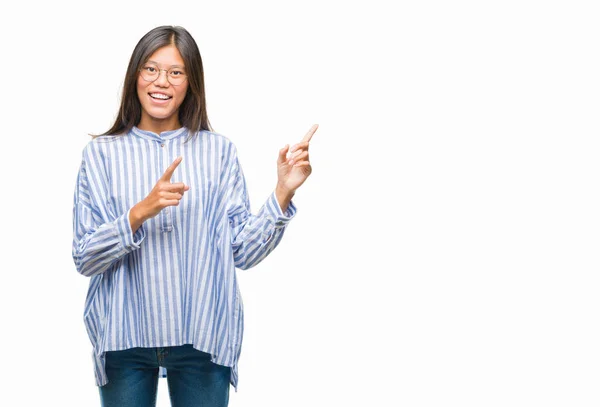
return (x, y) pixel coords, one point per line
(445, 251)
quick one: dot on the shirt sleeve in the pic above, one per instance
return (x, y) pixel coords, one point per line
(100, 238)
(253, 237)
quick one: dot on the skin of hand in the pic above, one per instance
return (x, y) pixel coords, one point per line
(165, 193)
(292, 171)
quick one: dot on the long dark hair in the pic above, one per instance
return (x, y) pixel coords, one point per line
(192, 112)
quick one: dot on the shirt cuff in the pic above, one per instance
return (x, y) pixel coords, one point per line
(129, 240)
(280, 219)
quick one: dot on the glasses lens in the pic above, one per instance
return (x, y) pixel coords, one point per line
(176, 76)
(149, 72)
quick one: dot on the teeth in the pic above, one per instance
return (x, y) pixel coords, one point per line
(159, 96)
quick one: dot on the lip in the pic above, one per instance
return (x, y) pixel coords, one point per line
(159, 101)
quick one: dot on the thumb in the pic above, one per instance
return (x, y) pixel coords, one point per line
(282, 154)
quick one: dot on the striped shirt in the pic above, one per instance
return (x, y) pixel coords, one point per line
(173, 281)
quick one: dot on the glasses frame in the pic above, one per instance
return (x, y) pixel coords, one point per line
(159, 73)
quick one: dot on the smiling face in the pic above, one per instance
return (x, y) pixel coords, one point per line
(160, 99)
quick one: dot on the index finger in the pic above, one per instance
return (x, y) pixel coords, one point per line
(169, 172)
(310, 133)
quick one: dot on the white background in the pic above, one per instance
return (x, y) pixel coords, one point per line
(445, 251)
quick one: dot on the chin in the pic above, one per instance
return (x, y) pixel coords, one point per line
(157, 114)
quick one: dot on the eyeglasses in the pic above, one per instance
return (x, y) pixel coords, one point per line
(151, 72)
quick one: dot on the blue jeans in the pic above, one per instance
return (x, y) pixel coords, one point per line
(193, 380)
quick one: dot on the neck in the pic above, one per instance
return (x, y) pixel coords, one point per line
(159, 125)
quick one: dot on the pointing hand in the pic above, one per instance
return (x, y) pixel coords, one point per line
(165, 193)
(293, 165)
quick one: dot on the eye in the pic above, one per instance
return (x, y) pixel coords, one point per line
(149, 69)
(176, 73)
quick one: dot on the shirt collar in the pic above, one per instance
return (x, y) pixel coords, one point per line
(165, 135)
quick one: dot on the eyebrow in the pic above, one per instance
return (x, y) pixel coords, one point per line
(172, 66)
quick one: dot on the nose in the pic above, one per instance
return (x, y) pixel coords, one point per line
(162, 79)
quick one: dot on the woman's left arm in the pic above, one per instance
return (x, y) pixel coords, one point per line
(253, 237)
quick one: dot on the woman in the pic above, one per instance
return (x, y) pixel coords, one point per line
(161, 220)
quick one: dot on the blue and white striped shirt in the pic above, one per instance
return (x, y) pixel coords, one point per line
(173, 281)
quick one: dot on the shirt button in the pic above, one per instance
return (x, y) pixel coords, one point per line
(162, 145)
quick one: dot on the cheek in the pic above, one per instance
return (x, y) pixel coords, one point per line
(141, 89)
(182, 92)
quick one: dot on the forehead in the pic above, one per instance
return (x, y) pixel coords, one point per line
(167, 56)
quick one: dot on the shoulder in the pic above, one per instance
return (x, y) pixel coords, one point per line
(96, 153)
(218, 141)
(99, 145)
(214, 136)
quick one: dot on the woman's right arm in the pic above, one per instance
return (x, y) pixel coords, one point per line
(100, 238)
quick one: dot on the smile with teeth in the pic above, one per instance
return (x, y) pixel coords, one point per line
(159, 96)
